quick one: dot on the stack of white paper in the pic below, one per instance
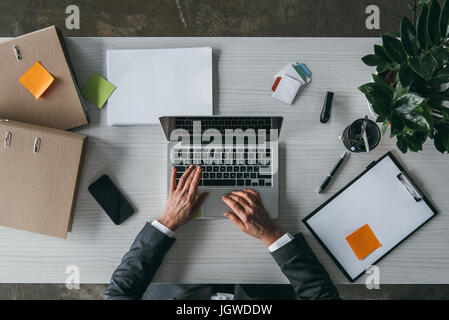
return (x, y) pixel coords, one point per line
(159, 82)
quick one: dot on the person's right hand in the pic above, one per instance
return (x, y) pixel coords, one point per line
(183, 202)
(250, 215)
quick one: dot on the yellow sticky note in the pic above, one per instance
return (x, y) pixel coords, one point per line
(363, 241)
(37, 80)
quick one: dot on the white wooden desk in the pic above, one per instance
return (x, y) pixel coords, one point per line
(216, 251)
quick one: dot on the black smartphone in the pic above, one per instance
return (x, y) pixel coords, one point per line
(111, 199)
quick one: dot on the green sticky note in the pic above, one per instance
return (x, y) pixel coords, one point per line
(97, 90)
(198, 214)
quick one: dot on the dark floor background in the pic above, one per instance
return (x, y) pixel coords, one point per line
(277, 18)
(95, 292)
(309, 18)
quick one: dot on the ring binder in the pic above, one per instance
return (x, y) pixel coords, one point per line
(44, 164)
(17, 52)
(8, 139)
(37, 145)
(409, 185)
(63, 106)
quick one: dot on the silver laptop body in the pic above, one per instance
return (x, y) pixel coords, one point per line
(234, 153)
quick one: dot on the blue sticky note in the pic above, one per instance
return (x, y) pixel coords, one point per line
(305, 69)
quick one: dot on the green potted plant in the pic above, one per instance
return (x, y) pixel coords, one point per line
(410, 92)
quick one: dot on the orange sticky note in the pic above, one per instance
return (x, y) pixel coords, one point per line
(363, 242)
(37, 80)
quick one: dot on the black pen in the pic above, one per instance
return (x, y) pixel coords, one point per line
(331, 174)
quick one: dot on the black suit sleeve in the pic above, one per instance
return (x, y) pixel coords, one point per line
(306, 274)
(139, 264)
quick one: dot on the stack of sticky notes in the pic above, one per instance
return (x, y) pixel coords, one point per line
(289, 80)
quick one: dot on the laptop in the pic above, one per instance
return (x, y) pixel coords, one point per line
(234, 153)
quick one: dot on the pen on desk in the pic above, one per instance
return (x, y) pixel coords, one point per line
(331, 174)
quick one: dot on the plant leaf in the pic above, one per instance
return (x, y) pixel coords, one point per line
(406, 75)
(421, 28)
(379, 51)
(428, 62)
(380, 81)
(445, 113)
(426, 88)
(441, 55)
(414, 140)
(402, 145)
(400, 91)
(408, 37)
(374, 91)
(379, 94)
(441, 139)
(397, 125)
(373, 60)
(393, 49)
(433, 23)
(416, 66)
(418, 120)
(442, 76)
(407, 103)
(444, 20)
(393, 34)
(381, 118)
(439, 143)
(382, 106)
(384, 66)
(423, 2)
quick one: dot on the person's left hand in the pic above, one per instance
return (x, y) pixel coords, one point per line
(182, 203)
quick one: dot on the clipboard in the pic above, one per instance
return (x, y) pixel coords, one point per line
(61, 106)
(403, 210)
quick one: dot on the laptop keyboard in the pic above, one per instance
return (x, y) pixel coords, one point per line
(230, 167)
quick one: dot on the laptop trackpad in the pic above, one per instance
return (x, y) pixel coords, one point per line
(214, 207)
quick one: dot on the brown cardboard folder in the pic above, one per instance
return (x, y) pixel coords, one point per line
(39, 171)
(61, 106)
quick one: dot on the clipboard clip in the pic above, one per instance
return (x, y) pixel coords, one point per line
(410, 186)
